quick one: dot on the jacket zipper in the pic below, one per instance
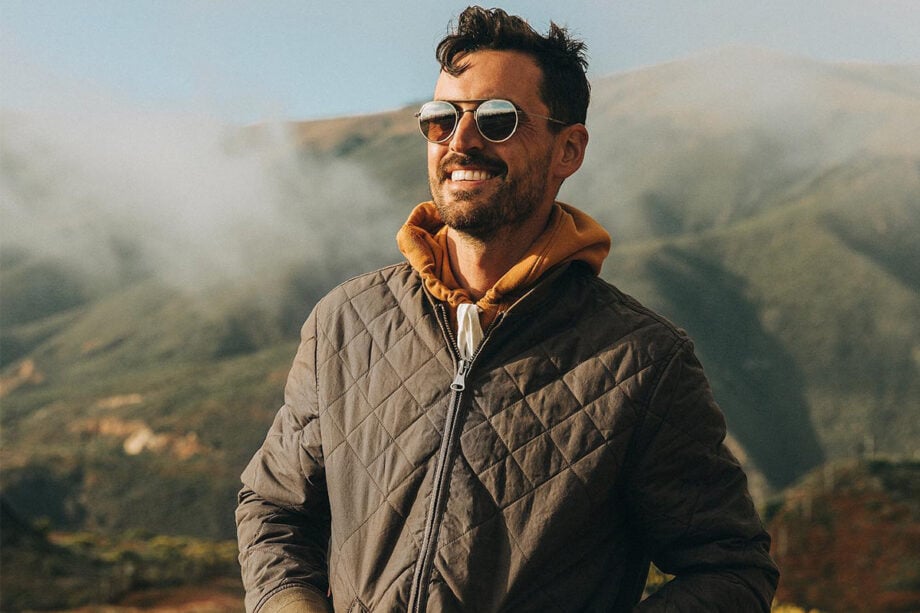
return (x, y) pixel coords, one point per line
(418, 591)
(418, 594)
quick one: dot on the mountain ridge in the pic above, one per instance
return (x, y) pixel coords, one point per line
(785, 250)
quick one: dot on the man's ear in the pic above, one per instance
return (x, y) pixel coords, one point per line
(571, 144)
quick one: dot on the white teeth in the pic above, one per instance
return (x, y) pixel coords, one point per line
(470, 175)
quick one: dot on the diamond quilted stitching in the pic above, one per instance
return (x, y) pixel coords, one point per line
(588, 381)
(351, 409)
(333, 434)
(369, 440)
(394, 451)
(370, 370)
(516, 425)
(545, 439)
(529, 372)
(552, 403)
(379, 384)
(613, 423)
(505, 481)
(529, 518)
(585, 455)
(402, 410)
(352, 506)
(631, 354)
(391, 466)
(576, 436)
(373, 500)
(540, 459)
(520, 424)
(417, 444)
(479, 439)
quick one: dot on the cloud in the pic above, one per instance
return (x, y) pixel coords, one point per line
(190, 200)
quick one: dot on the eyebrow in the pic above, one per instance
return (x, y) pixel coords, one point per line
(479, 101)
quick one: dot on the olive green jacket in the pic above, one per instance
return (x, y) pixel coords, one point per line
(579, 443)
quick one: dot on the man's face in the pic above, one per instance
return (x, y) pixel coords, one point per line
(480, 187)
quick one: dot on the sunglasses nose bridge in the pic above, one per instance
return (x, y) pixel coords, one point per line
(466, 133)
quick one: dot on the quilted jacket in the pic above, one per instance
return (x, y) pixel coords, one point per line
(579, 443)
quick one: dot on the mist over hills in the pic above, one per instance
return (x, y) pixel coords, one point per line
(154, 271)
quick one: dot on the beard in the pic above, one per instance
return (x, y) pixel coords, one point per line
(482, 216)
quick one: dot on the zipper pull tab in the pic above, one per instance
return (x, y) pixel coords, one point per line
(459, 383)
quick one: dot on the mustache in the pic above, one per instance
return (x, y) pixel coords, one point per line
(471, 159)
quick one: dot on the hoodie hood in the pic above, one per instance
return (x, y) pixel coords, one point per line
(570, 235)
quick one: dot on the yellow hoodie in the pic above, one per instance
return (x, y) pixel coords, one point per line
(570, 235)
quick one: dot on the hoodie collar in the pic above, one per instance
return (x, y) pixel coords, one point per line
(570, 235)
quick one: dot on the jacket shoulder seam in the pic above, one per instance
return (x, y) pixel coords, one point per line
(631, 303)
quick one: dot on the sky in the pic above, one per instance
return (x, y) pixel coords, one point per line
(252, 61)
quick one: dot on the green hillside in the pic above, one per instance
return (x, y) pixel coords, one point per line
(62, 571)
(144, 342)
(809, 334)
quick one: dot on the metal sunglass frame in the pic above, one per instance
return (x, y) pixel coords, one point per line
(454, 105)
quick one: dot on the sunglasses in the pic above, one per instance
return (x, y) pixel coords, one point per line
(496, 119)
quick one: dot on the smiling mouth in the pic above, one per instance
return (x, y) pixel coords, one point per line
(471, 168)
(472, 175)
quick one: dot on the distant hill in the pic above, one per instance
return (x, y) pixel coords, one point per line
(65, 571)
(846, 538)
(153, 276)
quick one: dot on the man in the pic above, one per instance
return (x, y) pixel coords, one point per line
(490, 426)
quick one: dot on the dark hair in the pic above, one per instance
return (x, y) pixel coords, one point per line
(565, 89)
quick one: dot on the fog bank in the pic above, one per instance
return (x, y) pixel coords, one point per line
(184, 198)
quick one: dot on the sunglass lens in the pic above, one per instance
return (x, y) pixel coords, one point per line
(497, 119)
(437, 121)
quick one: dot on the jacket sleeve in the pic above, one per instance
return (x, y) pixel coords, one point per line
(283, 512)
(690, 497)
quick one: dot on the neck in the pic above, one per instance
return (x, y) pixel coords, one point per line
(479, 263)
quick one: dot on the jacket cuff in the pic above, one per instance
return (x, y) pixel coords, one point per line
(297, 599)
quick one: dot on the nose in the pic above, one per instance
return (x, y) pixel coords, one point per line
(466, 136)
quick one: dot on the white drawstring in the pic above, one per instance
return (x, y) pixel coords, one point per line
(469, 330)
